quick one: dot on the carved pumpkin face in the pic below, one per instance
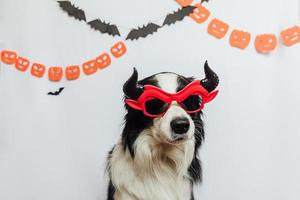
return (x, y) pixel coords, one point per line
(72, 72)
(239, 39)
(217, 28)
(118, 50)
(184, 3)
(22, 64)
(55, 73)
(290, 36)
(8, 57)
(103, 60)
(38, 70)
(89, 67)
(265, 43)
(200, 14)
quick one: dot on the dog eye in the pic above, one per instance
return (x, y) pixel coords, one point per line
(155, 106)
(192, 103)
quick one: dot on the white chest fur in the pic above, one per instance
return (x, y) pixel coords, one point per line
(159, 173)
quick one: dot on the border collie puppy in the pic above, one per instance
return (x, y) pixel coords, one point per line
(156, 157)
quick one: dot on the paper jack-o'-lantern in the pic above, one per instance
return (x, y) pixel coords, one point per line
(118, 50)
(217, 28)
(184, 3)
(265, 43)
(290, 36)
(200, 14)
(239, 39)
(89, 67)
(8, 57)
(38, 70)
(55, 73)
(103, 61)
(22, 64)
(72, 72)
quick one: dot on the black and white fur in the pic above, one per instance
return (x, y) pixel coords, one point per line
(148, 163)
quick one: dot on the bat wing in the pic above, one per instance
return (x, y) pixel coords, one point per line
(152, 28)
(97, 25)
(133, 34)
(104, 27)
(113, 30)
(72, 10)
(56, 92)
(80, 15)
(60, 90)
(143, 32)
(178, 15)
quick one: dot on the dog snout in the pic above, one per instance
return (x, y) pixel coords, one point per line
(180, 125)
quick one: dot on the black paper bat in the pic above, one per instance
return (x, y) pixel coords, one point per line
(104, 27)
(55, 93)
(204, 0)
(143, 31)
(178, 15)
(72, 10)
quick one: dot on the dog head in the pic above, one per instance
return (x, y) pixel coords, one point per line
(167, 123)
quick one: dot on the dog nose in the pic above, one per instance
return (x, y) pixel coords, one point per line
(180, 125)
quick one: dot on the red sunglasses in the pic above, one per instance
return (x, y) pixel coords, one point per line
(155, 102)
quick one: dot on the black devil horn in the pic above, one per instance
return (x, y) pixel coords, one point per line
(211, 80)
(131, 88)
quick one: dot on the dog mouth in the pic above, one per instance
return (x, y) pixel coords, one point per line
(178, 139)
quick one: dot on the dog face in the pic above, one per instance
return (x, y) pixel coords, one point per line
(175, 126)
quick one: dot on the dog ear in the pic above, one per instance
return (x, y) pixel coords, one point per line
(211, 80)
(131, 88)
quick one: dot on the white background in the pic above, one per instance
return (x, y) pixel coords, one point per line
(54, 148)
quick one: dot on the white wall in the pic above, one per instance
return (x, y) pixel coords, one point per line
(55, 147)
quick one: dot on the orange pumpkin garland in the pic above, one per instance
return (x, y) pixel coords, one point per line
(89, 67)
(22, 64)
(55, 73)
(103, 60)
(200, 14)
(8, 57)
(184, 3)
(72, 72)
(265, 43)
(38, 70)
(118, 50)
(239, 39)
(290, 36)
(217, 28)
